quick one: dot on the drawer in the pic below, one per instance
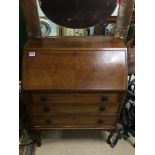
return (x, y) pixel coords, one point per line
(51, 108)
(74, 121)
(77, 98)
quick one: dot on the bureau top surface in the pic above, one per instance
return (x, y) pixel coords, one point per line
(74, 43)
(69, 69)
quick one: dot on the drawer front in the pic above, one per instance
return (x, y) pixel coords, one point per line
(51, 108)
(74, 121)
(77, 98)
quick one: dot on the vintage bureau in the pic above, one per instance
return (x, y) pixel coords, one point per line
(74, 82)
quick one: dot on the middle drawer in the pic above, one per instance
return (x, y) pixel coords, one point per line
(55, 108)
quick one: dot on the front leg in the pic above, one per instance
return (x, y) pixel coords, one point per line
(37, 138)
(109, 139)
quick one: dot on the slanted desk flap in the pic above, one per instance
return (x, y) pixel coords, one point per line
(79, 70)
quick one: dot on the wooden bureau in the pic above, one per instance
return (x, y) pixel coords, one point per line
(74, 82)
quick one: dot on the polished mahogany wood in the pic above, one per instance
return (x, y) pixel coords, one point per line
(72, 108)
(77, 13)
(74, 82)
(65, 68)
(74, 120)
(75, 70)
(74, 43)
(93, 98)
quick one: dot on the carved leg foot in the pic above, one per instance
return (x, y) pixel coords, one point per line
(38, 139)
(109, 140)
(113, 138)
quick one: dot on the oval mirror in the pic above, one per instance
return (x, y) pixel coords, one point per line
(78, 13)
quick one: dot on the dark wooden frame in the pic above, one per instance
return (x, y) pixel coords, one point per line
(31, 18)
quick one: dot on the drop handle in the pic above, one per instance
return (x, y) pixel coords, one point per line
(48, 121)
(74, 117)
(43, 99)
(102, 109)
(46, 109)
(100, 121)
(104, 98)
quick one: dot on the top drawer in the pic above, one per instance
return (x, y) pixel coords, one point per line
(77, 98)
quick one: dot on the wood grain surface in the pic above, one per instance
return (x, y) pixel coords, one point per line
(66, 68)
(74, 43)
(74, 82)
(31, 18)
(70, 108)
(104, 97)
(74, 120)
(75, 70)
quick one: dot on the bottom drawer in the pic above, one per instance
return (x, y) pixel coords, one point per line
(74, 121)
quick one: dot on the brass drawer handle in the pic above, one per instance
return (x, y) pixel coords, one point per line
(75, 105)
(46, 109)
(74, 117)
(102, 109)
(48, 121)
(43, 99)
(104, 98)
(100, 121)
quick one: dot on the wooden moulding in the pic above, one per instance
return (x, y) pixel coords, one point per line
(31, 18)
